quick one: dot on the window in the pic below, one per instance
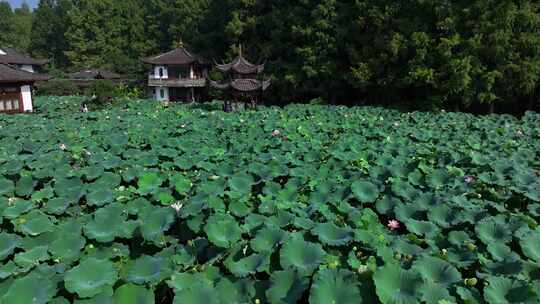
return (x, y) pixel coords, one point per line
(153, 91)
(15, 104)
(162, 93)
(7, 104)
(160, 72)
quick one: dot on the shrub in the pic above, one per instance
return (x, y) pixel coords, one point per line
(102, 92)
(57, 87)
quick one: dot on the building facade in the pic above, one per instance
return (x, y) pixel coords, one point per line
(177, 75)
(16, 89)
(14, 58)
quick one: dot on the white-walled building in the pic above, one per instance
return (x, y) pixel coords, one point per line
(177, 75)
(14, 58)
(16, 89)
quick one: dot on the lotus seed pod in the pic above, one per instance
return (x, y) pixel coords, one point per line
(479, 195)
(471, 246)
(471, 282)
(354, 248)
(257, 301)
(397, 256)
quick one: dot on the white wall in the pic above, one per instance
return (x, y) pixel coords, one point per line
(165, 72)
(28, 68)
(26, 92)
(165, 94)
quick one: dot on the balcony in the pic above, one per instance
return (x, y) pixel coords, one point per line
(176, 82)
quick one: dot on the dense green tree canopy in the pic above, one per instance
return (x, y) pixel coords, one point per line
(426, 54)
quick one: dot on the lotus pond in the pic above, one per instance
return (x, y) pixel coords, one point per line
(307, 204)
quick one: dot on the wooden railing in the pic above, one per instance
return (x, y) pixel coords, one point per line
(182, 82)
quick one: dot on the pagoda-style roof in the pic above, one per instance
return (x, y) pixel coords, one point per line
(243, 85)
(9, 74)
(11, 56)
(94, 74)
(179, 56)
(241, 66)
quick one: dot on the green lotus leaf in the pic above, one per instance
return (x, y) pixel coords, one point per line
(17, 208)
(534, 209)
(493, 231)
(459, 238)
(30, 289)
(91, 277)
(531, 245)
(469, 295)
(100, 228)
(505, 290)
(181, 183)
(197, 295)
(222, 230)
(333, 235)
(32, 257)
(25, 186)
(405, 212)
(102, 298)
(365, 191)
(438, 178)
(68, 246)
(267, 239)
(149, 183)
(422, 227)
(57, 206)
(8, 242)
(184, 280)
(8, 270)
(387, 204)
(437, 271)
(60, 300)
(6, 186)
(286, 287)
(303, 256)
(444, 216)
(335, 286)
(146, 269)
(69, 188)
(133, 294)
(304, 223)
(461, 257)
(241, 291)
(436, 293)
(241, 266)
(499, 251)
(100, 197)
(241, 184)
(405, 190)
(34, 223)
(396, 285)
(155, 222)
(108, 180)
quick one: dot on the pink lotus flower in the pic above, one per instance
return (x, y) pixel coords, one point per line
(470, 179)
(276, 132)
(62, 147)
(393, 225)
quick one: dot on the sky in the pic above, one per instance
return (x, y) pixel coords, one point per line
(17, 3)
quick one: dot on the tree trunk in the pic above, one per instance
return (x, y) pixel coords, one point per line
(492, 108)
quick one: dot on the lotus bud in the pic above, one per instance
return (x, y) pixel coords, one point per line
(479, 195)
(471, 246)
(91, 246)
(397, 256)
(471, 282)
(354, 248)
(257, 301)
(362, 269)
(22, 221)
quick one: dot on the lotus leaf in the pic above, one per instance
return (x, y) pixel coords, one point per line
(505, 290)
(32, 257)
(146, 269)
(100, 227)
(530, 245)
(241, 266)
(365, 191)
(196, 295)
(303, 256)
(267, 239)
(493, 231)
(8, 242)
(30, 289)
(222, 230)
(335, 286)
(100, 197)
(395, 285)
(333, 235)
(91, 277)
(241, 291)
(437, 271)
(133, 294)
(149, 183)
(286, 287)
